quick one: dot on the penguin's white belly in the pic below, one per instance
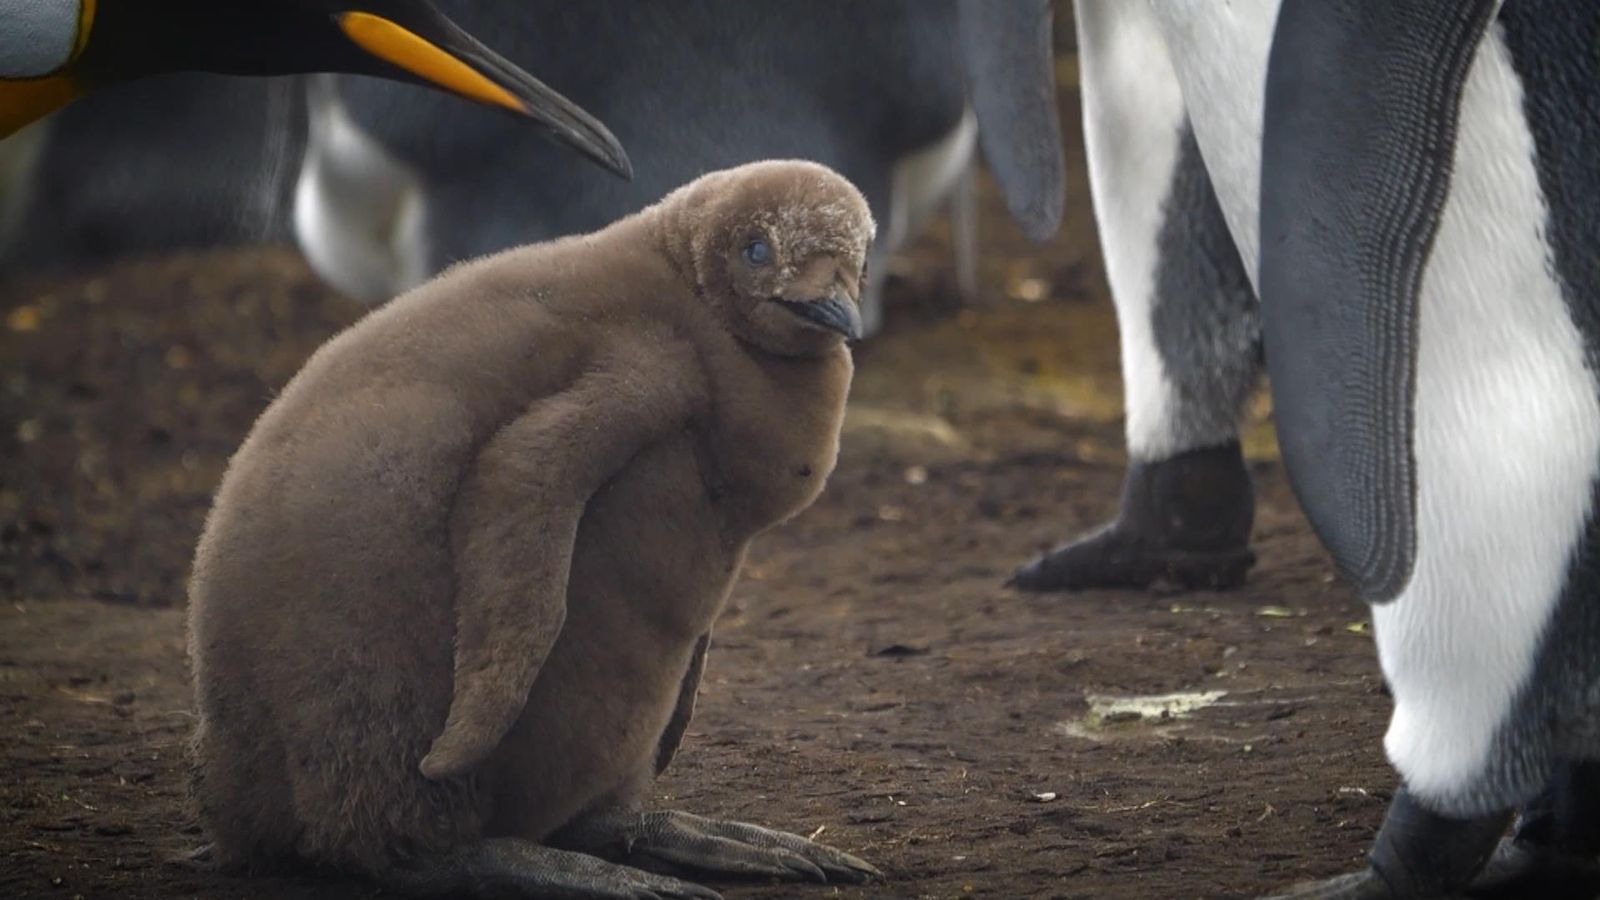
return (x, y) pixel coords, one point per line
(1507, 421)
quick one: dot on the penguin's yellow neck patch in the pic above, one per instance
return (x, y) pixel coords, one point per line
(26, 97)
(393, 44)
(85, 25)
(26, 101)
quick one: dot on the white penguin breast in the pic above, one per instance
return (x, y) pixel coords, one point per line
(37, 37)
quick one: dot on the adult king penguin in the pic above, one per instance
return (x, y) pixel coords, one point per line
(53, 51)
(1411, 187)
(1431, 309)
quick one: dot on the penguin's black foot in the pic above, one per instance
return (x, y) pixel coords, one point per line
(681, 842)
(1419, 855)
(1555, 849)
(512, 867)
(1185, 520)
(1113, 558)
(1520, 869)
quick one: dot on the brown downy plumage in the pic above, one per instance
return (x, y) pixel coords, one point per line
(451, 605)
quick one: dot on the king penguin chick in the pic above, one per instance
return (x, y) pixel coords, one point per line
(452, 603)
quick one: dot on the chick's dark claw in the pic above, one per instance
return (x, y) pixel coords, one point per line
(515, 868)
(1354, 886)
(680, 842)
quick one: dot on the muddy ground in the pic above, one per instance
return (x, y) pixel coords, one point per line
(871, 682)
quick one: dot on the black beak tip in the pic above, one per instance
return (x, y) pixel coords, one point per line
(621, 166)
(563, 120)
(595, 142)
(836, 314)
(850, 324)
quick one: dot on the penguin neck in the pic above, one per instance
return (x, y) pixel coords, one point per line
(671, 226)
(772, 436)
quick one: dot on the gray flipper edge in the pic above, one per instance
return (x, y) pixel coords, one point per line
(1362, 105)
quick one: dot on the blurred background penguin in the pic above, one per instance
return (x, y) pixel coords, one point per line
(178, 159)
(382, 186)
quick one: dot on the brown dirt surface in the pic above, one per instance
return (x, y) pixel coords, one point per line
(871, 682)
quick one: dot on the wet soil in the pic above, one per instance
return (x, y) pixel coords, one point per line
(871, 682)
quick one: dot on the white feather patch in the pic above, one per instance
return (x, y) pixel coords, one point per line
(37, 36)
(359, 213)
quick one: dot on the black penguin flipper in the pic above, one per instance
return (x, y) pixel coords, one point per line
(1362, 104)
(1010, 67)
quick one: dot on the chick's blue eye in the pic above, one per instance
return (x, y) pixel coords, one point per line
(757, 253)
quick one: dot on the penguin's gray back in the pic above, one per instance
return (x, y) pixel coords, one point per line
(397, 183)
(693, 86)
(166, 162)
(1492, 646)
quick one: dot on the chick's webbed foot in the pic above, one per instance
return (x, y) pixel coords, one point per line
(515, 868)
(1185, 520)
(670, 841)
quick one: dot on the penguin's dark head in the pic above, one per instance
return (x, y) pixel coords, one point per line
(780, 248)
(90, 43)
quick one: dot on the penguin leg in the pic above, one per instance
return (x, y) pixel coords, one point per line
(964, 232)
(512, 867)
(680, 842)
(919, 184)
(1554, 850)
(1190, 327)
(360, 213)
(1419, 854)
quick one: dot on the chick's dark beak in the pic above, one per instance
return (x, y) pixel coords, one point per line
(434, 50)
(835, 313)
